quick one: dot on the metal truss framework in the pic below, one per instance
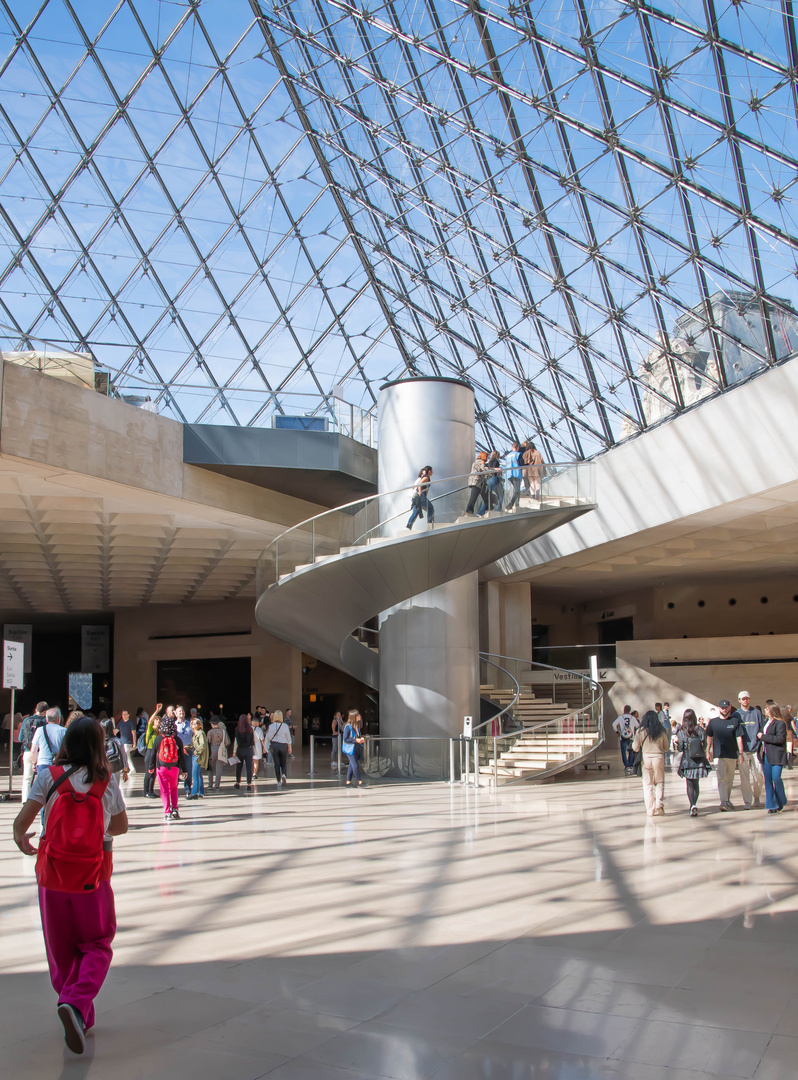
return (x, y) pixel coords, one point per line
(583, 207)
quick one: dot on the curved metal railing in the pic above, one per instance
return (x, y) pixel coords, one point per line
(536, 749)
(386, 516)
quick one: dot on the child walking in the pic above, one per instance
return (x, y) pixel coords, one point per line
(83, 809)
(170, 761)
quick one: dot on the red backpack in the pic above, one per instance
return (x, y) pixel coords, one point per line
(167, 753)
(70, 856)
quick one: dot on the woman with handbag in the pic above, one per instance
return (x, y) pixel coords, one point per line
(691, 742)
(352, 745)
(652, 740)
(243, 748)
(280, 745)
(773, 755)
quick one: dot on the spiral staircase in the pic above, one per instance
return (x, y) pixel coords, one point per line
(328, 576)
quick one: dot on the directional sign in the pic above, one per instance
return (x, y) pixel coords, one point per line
(13, 665)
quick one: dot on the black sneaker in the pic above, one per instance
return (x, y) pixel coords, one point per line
(249, 787)
(73, 1027)
(175, 816)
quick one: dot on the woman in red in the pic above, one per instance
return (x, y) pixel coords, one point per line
(83, 809)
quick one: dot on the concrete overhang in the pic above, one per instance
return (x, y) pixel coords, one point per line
(323, 467)
(712, 493)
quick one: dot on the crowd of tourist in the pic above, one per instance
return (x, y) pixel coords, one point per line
(750, 740)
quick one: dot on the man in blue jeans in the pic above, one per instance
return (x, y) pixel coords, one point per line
(626, 725)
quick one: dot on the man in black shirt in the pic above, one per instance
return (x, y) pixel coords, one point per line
(725, 745)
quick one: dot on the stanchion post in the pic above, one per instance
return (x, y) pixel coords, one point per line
(339, 737)
(312, 752)
(11, 744)
(451, 761)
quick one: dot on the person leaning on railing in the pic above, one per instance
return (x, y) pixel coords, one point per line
(476, 484)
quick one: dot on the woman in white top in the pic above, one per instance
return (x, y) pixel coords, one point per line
(280, 745)
(257, 750)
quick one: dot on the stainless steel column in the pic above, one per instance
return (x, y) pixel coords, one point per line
(429, 646)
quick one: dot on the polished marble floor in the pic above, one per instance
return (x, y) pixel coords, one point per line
(426, 931)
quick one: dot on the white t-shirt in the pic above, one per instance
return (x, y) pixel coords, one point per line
(55, 733)
(626, 725)
(260, 739)
(113, 803)
(279, 733)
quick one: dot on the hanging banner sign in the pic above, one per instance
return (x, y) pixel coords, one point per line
(95, 652)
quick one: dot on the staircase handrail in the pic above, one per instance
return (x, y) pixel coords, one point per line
(587, 708)
(435, 493)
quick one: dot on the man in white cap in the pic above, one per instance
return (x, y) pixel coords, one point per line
(752, 782)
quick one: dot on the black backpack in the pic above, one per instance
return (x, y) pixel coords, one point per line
(695, 748)
(113, 751)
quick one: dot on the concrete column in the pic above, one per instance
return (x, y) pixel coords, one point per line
(429, 646)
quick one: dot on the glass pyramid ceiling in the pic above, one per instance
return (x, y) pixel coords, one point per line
(583, 208)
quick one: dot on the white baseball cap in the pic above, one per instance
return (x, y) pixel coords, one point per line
(742, 694)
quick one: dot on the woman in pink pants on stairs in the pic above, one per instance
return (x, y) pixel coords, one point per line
(83, 809)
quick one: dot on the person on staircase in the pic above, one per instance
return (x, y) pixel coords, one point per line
(514, 477)
(476, 484)
(420, 502)
(493, 468)
(533, 472)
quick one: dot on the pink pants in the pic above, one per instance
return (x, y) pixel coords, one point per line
(167, 782)
(78, 931)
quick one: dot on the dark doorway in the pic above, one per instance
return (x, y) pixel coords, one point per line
(222, 685)
(610, 632)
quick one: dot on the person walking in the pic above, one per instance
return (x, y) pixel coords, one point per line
(651, 739)
(752, 780)
(242, 749)
(218, 741)
(73, 868)
(150, 735)
(420, 501)
(723, 733)
(47, 739)
(257, 748)
(690, 742)
(280, 743)
(353, 743)
(773, 740)
(514, 477)
(199, 759)
(186, 735)
(126, 729)
(626, 725)
(26, 732)
(337, 732)
(170, 761)
(493, 471)
(476, 485)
